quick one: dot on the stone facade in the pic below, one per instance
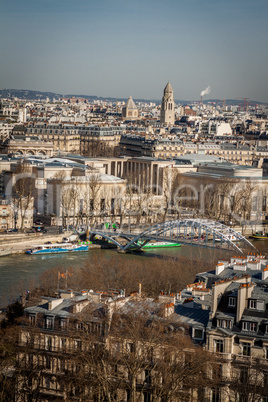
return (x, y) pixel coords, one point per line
(130, 111)
(167, 106)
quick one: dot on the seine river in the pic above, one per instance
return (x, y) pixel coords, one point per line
(20, 272)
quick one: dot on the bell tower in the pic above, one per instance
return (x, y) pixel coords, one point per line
(167, 115)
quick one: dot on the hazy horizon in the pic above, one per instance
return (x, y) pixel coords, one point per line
(122, 48)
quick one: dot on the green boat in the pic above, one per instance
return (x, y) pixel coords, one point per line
(160, 244)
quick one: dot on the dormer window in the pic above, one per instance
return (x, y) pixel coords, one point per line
(252, 304)
(198, 333)
(49, 322)
(224, 323)
(32, 319)
(63, 323)
(232, 302)
(249, 326)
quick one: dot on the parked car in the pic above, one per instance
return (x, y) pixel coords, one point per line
(39, 229)
(30, 231)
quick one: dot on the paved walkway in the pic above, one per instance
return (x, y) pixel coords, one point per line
(16, 246)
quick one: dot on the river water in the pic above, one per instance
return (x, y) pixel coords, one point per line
(20, 272)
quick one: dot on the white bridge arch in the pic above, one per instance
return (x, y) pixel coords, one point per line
(195, 232)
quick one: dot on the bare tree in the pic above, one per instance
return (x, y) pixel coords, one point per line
(8, 337)
(99, 147)
(248, 382)
(70, 191)
(93, 196)
(23, 190)
(168, 183)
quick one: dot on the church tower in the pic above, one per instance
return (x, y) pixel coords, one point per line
(130, 110)
(167, 115)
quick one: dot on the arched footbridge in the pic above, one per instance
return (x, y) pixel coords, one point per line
(194, 232)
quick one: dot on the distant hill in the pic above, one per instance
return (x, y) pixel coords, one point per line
(27, 94)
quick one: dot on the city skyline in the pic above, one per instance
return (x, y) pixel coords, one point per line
(117, 49)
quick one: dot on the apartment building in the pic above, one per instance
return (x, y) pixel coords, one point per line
(76, 138)
(5, 215)
(137, 145)
(5, 129)
(11, 215)
(65, 137)
(224, 312)
(99, 135)
(238, 329)
(92, 345)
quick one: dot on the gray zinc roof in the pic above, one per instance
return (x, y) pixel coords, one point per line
(192, 316)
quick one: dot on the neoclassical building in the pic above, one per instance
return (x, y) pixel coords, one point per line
(167, 106)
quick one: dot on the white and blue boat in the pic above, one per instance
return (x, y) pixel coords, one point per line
(56, 248)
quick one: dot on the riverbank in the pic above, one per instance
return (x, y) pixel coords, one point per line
(21, 272)
(10, 244)
(19, 242)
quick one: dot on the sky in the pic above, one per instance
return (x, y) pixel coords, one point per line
(122, 48)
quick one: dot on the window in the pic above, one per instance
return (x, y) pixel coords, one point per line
(224, 323)
(254, 203)
(78, 344)
(249, 326)
(264, 203)
(102, 205)
(246, 349)
(146, 397)
(218, 345)
(61, 365)
(197, 333)
(47, 382)
(244, 375)
(48, 362)
(48, 343)
(49, 322)
(131, 347)
(215, 395)
(252, 304)
(112, 206)
(232, 201)
(148, 378)
(63, 343)
(80, 326)
(63, 324)
(232, 302)
(32, 319)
